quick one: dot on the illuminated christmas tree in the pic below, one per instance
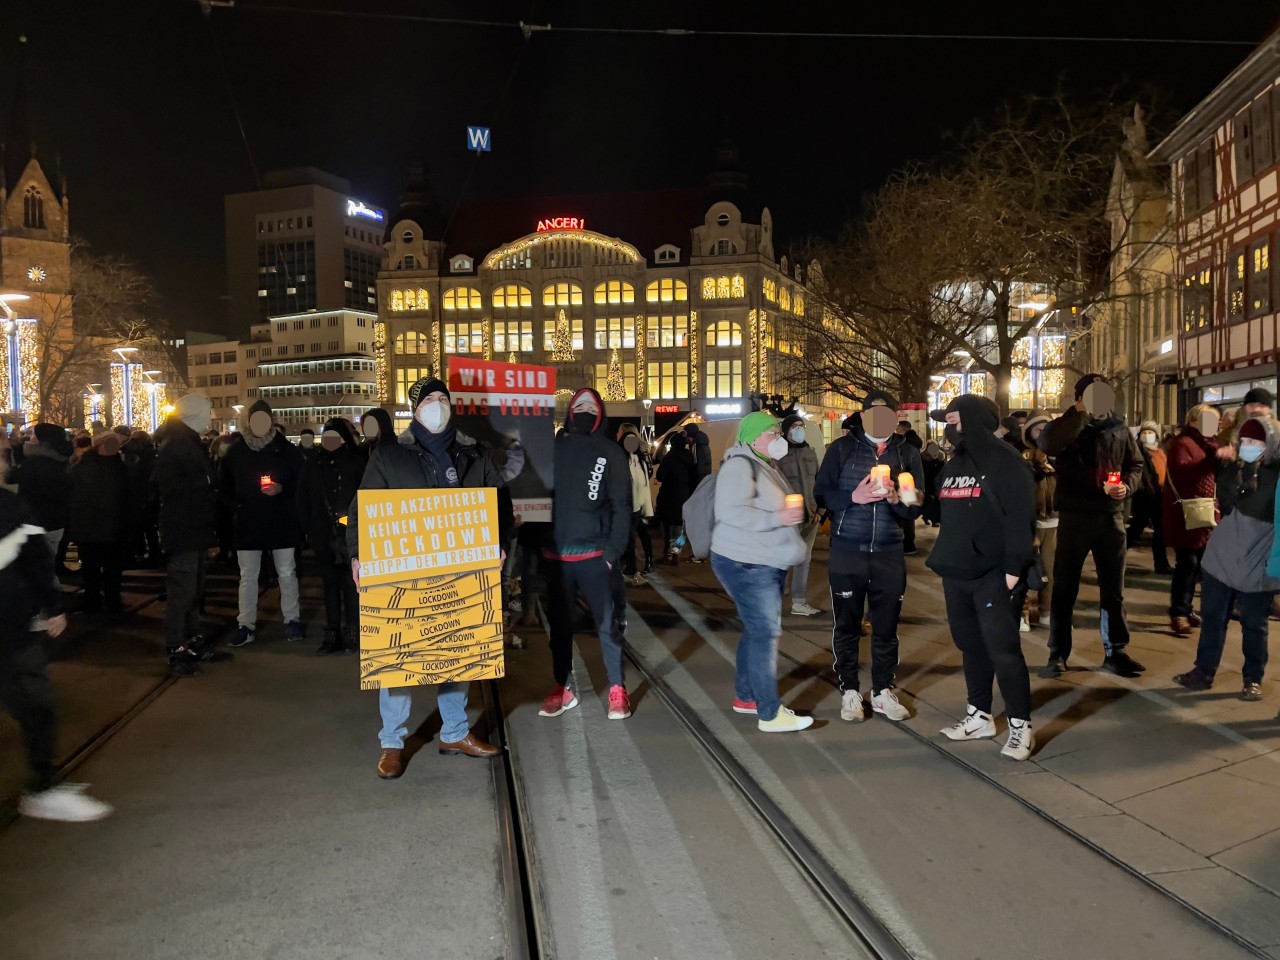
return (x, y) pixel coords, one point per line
(615, 388)
(512, 358)
(562, 341)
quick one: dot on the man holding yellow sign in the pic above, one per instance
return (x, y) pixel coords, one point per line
(426, 555)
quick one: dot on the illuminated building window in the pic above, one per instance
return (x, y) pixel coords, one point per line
(708, 288)
(724, 378)
(628, 379)
(549, 330)
(737, 286)
(406, 300)
(725, 333)
(1235, 287)
(1260, 278)
(513, 336)
(667, 331)
(33, 208)
(615, 291)
(512, 296)
(668, 379)
(722, 288)
(462, 298)
(770, 290)
(667, 290)
(412, 344)
(615, 332)
(797, 304)
(784, 298)
(562, 295)
(406, 377)
(464, 337)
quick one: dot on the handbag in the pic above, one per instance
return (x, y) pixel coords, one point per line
(1036, 578)
(1197, 512)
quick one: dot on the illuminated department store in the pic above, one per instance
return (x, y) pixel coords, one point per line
(690, 323)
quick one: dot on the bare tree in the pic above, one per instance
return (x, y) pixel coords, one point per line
(109, 304)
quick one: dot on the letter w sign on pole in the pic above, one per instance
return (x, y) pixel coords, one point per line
(478, 139)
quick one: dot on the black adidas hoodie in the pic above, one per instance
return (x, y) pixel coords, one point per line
(591, 509)
(988, 501)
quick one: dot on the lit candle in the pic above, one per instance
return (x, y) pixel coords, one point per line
(907, 487)
(795, 501)
(880, 475)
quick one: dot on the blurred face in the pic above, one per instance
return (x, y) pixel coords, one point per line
(331, 440)
(1034, 432)
(1099, 399)
(370, 427)
(1210, 420)
(879, 421)
(260, 424)
(1256, 410)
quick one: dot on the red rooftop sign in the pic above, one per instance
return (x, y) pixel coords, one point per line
(562, 223)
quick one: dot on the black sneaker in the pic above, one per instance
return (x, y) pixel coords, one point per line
(1056, 667)
(1193, 679)
(332, 643)
(207, 652)
(183, 662)
(1122, 665)
(243, 636)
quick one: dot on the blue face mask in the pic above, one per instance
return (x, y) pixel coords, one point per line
(1250, 453)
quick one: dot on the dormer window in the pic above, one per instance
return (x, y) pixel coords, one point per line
(460, 264)
(723, 248)
(667, 254)
(722, 219)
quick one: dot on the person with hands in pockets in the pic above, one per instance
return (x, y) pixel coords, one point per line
(867, 568)
(983, 550)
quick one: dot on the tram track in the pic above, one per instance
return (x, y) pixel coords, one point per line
(828, 677)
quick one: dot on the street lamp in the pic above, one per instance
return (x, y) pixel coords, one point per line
(647, 403)
(237, 407)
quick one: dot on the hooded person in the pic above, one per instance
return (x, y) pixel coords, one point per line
(700, 447)
(1240, 569)
(800, 469)
(377, 428)
(1098, 467)
(44, 481)
(867, 570)
(1045, 477)
(983, 550)
(677, 479)
(591, 527)
(1147, 506)
(185, 485)
(754, 542)
(431, 454)
(329, 482)
(260, 474)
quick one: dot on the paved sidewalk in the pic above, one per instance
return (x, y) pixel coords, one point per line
(1183, 788)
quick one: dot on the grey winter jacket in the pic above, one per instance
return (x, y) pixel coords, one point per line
(747, 505)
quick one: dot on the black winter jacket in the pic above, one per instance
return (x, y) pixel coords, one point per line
(263, 522)
(44, 484)
(26, 569)
(865, 526)
(329, 483)
(1085, 450)
(591, 507)
(407, 465)
(102, 501)
(184, 481)
(678, 478)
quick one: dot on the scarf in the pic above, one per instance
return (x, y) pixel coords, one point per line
(258, 444)
(438, 444)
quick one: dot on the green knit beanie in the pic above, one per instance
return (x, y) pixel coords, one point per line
(754, 424)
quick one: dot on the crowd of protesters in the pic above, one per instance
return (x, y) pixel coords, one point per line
(1019, 504)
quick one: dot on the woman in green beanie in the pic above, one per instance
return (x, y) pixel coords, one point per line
(755, 540)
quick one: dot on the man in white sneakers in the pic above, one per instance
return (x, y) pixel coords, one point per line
(983, 550)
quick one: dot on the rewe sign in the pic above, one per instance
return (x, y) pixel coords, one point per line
(562, 223)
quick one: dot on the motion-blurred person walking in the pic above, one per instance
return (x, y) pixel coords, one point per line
(43, 479)
(677, 479)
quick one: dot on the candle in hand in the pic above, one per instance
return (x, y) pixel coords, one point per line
(907, 487)
(795, 501)
(880, 474)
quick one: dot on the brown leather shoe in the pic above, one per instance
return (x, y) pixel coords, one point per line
(470, 746)
(1181, 626)
(391, 763)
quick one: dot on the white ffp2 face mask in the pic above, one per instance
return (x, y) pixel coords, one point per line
(797, 434)
(777, 448)
(434, 416)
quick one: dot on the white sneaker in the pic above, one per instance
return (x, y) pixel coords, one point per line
(975, 726)
(67, 802)
(1021, 740)
(886, 702)
(852, 706)
(785, 722)
(1024, 626)
(802, 609)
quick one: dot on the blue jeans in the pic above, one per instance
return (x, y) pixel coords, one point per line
(756, 590)
(1216, 599)
(394, 704)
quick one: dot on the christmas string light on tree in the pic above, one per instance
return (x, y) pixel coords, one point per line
(512, 358)
(562, 340)
(615, 388)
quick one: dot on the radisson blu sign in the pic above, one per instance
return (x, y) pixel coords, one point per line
(358, 208)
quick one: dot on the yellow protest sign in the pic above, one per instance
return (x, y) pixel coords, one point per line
(430, 586)
(406, 534)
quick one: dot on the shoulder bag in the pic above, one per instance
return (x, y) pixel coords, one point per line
(1197, 512)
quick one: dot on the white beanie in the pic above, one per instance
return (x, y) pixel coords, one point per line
(194, 410)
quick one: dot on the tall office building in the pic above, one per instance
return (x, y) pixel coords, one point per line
(302, 242)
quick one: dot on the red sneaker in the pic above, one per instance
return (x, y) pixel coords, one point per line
(744, 706)
(619, 703)
(560, 700)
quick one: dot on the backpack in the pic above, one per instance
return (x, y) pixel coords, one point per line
(699, 513)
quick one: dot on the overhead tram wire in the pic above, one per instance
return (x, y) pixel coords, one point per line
(530, 28)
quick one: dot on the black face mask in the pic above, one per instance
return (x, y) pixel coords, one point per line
(583, 422)
(953, 435)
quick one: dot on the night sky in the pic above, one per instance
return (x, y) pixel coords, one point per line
(133, 99)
